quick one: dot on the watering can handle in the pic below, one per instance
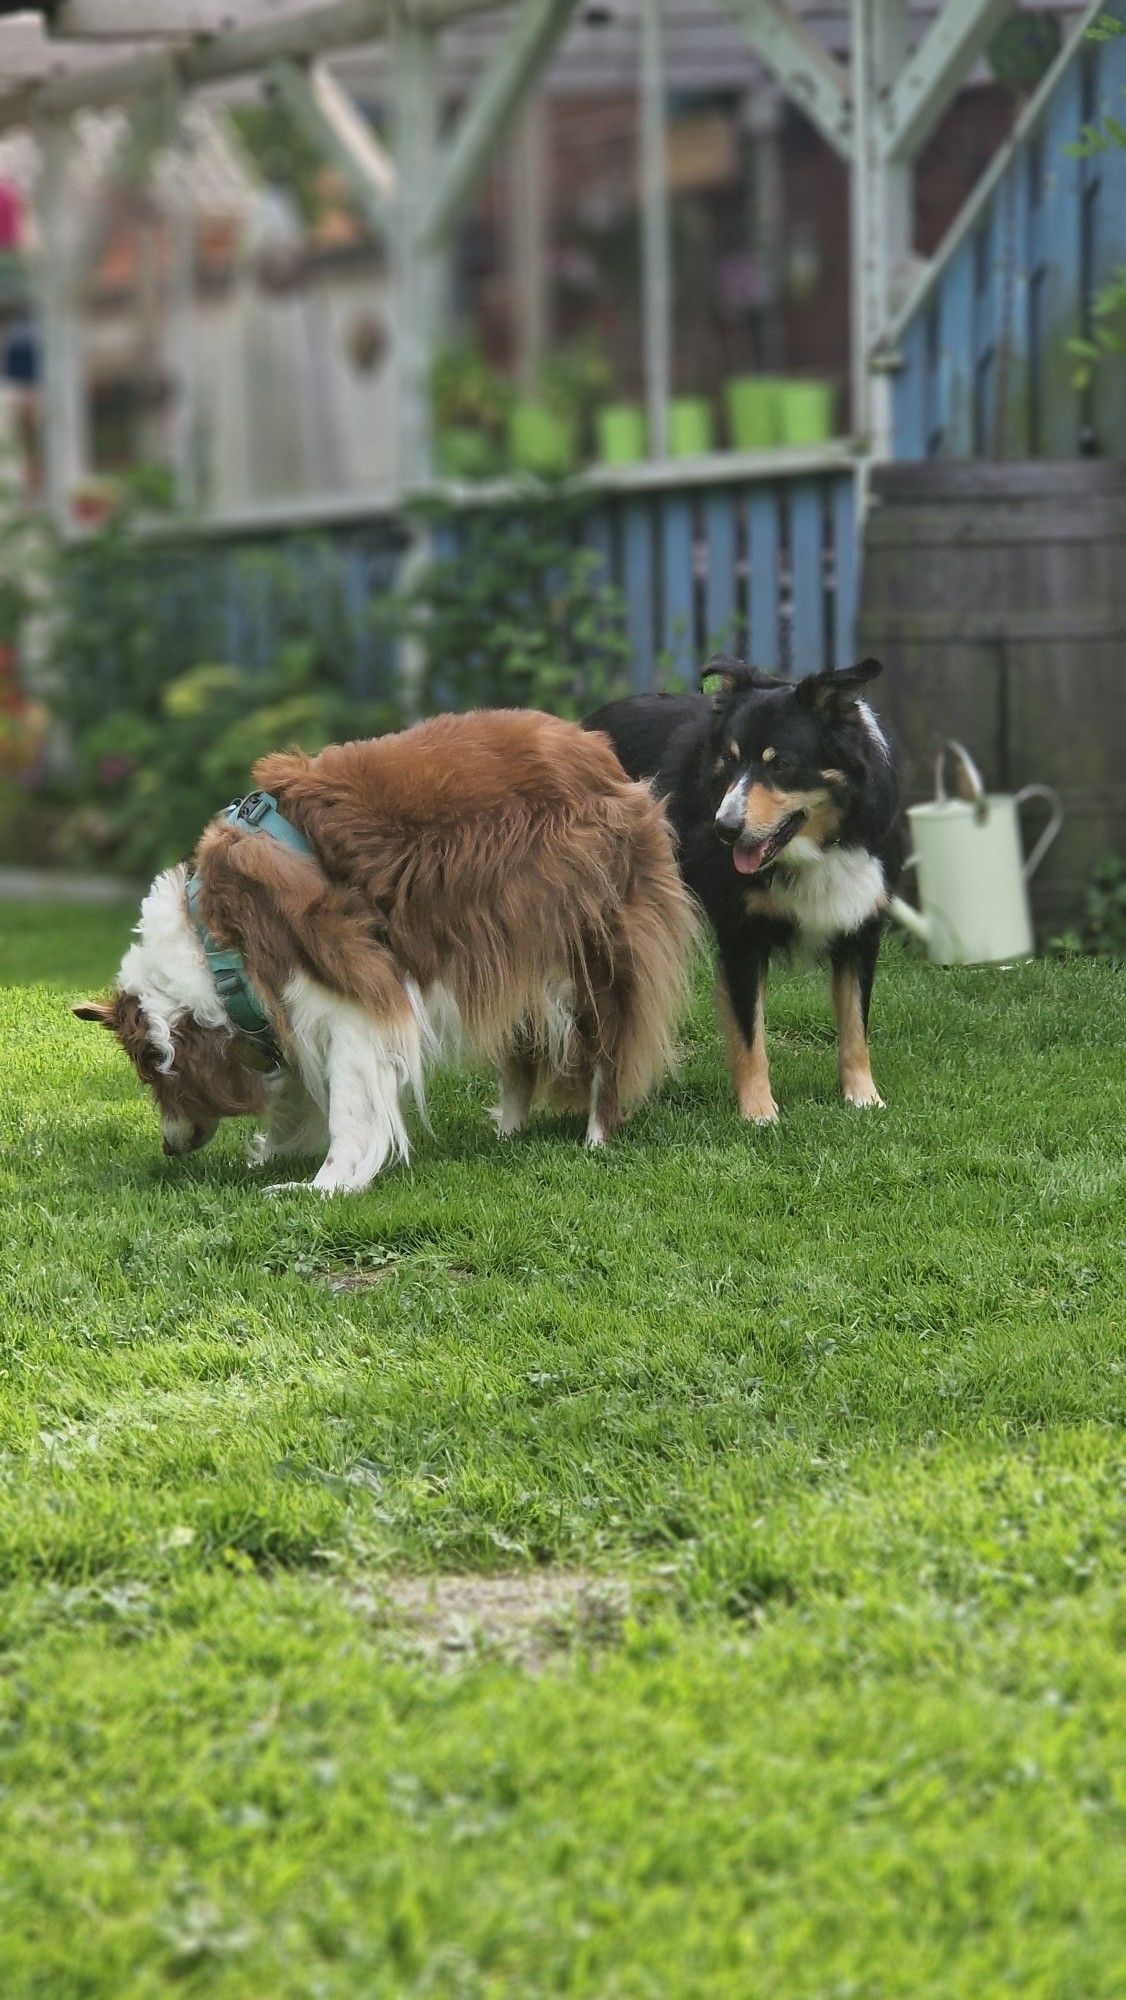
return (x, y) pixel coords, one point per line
(970, 774)
(1050, 831)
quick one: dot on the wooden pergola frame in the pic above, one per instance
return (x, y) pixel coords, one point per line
(876, 114)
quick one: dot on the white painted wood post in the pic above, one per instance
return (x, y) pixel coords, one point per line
(63, 387)
(881, 220)
(416, 265)
(656, 257)
(529, 240)
(182, 305)
(763, 121)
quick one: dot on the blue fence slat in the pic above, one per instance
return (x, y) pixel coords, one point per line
(807, 577)
(1010, 313)
(597, 535)
(721, 575)
(984, 352)
(763, 547)
(956, 334)
(678, 585)
(846, 568)
(1059, 402)
(637, 583)
(357, 611)
(1108, 410)
(910, 401)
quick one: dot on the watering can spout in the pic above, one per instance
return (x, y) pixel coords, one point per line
(911, 919)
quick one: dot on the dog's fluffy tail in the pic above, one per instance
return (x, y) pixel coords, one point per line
(658, 925)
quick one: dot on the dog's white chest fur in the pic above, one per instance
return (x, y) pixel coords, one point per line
(827, 891)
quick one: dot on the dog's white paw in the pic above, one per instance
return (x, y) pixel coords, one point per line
(288, 1187)
(507, 1123)
(759, 1110)
(865, 1096)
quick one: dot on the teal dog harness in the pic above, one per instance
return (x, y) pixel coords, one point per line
(258, 811)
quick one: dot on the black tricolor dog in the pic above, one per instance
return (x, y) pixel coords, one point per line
(785, 800)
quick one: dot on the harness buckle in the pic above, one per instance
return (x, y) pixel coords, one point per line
(251, 810)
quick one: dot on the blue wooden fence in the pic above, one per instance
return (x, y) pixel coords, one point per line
(763, 567)
(753, 556)
(986, 370)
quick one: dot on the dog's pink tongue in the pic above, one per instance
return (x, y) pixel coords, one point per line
(748, 860)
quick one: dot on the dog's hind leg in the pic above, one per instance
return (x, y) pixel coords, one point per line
(605, 1108)
(518, 1071)
(854, 969)
(739, 998)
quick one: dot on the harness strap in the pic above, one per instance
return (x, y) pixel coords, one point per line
(258, 811)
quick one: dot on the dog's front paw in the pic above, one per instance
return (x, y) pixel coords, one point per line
(864, 1095)
(758, 1108)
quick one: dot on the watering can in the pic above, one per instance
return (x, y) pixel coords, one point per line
(973, 879)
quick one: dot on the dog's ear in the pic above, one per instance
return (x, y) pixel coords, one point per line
(730, 674)
(104, 1012)
(834, 691)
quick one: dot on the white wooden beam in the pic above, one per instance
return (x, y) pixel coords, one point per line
(880, 233)
(183, 341)
(656, 260)
(213, 59)
(932, 75)
(534, 33)
(64, 400)
(806, 71)
(415, 265)
(131, 20)
(327, 114)
(528, 219)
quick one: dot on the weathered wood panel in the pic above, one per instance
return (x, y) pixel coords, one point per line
(996, 596)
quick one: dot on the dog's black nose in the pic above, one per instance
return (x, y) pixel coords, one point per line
(729, 824)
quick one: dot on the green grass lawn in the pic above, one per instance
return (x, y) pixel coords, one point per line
(822, 1424)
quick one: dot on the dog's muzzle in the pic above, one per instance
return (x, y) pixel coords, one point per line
(751, 856)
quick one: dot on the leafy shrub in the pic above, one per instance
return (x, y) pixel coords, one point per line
(147, 787)
(511, 613)
(1103, 933)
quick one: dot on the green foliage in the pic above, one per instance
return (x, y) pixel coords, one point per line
(283, 152)
(472, 402)
(469, 395)
(515, 615)
(1023, 49)
(839, 1405)
(1108, 330)
(1108, 304)
(160, 737)
(1103, 932)
(149, 786)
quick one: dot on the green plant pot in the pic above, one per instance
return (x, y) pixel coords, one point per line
(619, 431)
(690, 427)
(753, 412)
(805, 412)
(463, 453)
(540, 441)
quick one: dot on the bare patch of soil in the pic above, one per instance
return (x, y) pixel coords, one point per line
(529, 1616)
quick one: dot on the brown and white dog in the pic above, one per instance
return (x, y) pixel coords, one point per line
(490, 879)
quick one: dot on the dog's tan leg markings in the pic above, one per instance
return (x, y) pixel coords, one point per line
(853, 1063)
(750, 1071)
